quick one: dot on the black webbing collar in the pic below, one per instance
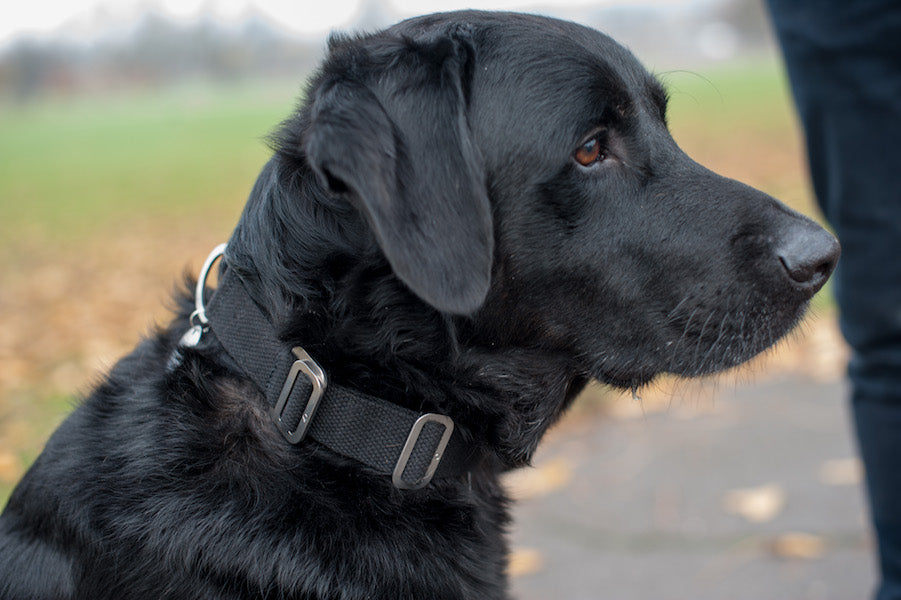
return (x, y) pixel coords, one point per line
(410, 446)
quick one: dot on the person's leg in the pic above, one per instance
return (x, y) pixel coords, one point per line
(844, 63)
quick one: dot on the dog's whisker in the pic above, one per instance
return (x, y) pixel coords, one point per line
(698, 344)
(713, 346)
(674, 312)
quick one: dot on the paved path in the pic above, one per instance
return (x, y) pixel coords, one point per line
(748, 493)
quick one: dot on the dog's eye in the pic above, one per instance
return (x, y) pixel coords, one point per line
(590, 152)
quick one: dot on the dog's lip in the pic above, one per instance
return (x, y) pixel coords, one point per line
(718, 354)
(623, 381)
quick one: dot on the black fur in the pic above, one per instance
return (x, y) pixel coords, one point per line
(425, 233)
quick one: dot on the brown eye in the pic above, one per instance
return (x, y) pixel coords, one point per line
(589, 153)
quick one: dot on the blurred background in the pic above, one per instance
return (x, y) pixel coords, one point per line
(131, 132)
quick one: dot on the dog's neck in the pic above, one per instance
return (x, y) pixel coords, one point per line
(310, 261)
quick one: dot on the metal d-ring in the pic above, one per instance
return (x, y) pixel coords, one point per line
(199, 310)
(198, 319)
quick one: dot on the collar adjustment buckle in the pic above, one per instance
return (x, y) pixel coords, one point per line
(295, 430)
(413, 455)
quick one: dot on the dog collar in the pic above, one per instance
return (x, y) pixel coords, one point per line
(410, 446)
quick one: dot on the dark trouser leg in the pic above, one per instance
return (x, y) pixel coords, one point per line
(844, 63)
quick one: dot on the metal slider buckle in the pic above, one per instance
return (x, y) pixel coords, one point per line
(407, 451)
(309, 367)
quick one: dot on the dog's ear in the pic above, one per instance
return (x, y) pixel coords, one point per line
(396, 138)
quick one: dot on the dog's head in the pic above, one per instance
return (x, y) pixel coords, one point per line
(517, 172)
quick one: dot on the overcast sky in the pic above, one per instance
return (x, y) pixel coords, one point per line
(311, 17)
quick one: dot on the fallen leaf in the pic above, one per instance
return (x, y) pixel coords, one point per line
(841, 471)
(798, 545)
(524, 561)
(539, 480)
(10, 468)
(758, 504)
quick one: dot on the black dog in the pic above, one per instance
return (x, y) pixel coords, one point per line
(471, 216)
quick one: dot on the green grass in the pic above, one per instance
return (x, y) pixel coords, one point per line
(71, 169)
(74, 168)
(754, 91)
(75, 173)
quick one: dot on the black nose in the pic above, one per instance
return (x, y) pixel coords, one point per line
(808, 254)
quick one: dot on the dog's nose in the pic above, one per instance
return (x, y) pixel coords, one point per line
(809, 255)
